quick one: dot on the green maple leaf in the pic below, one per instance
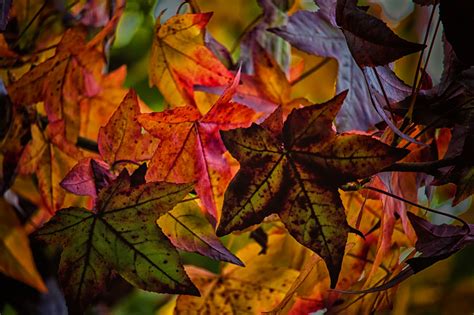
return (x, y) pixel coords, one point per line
(119, 237)
(296, 173)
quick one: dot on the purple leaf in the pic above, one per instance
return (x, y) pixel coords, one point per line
(4, 11)
(273, 16)
(87, 177)
(371, 42)
(312, 33)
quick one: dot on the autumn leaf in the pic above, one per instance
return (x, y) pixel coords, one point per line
(371, 41)
(190, 147)
(16, 259)
(88, 177)
(97, 109)
(313, 33)
(122, 140)
(179, 59)
(118, 237)
(251, 290)
(274, 14)
(50, 156)
(189, 230)
(61, 80)
(298, 178)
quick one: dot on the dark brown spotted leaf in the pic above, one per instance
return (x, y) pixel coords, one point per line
(118, 237)
(298, 178)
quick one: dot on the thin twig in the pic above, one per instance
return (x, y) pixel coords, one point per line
(465, 224)
(384, 94)
(310, 71)
(245, 31)
(425, 167)
(87, 144)
(29, 24)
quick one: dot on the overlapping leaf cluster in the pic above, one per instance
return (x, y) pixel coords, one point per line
(120, 189)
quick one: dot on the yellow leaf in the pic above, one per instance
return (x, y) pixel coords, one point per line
(257, 288)
(179, 59)
(16, 259)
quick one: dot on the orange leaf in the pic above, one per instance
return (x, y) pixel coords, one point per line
(191, 148)
(179, 59)
(60, 81)
(50, 156)
(121, 140)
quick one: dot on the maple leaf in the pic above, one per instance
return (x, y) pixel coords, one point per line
(88, 177)
(251, 290)
(297, 177)
(179, 59)
(50, 156)
(189, 230)
(371, 41)
(273, 15)
(122, 140)
(60, 80)
(97, 109)
(190, 147)
(119, 236)
(313, 33)
(16, 259)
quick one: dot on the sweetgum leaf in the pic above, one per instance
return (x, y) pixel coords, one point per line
(97, 109)
(61, 80)
(273, 15)
(255, 289)
(87, 177)
(189, 230)
(50, 156)
(191, 149)
(119, 237)
(122, 139)
(371, 41)
(313, 33)
(16, 259)
(298, 178)
(179, 59)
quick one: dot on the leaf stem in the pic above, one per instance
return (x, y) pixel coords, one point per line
(464, 223)
(30, 22)
(384, 94)
(87, 144)
(425, 167)
(420, 59)
(310, 71)
(245, 31)
(418, 84)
